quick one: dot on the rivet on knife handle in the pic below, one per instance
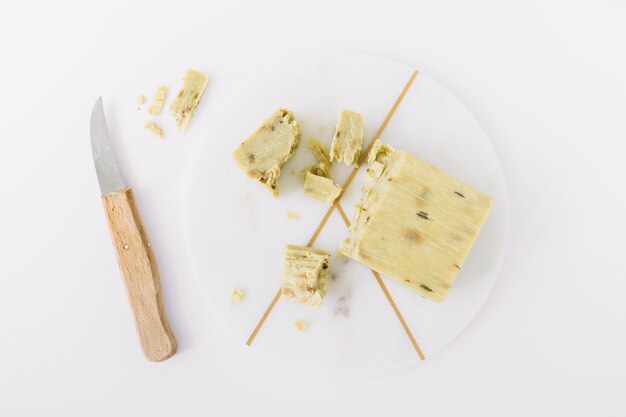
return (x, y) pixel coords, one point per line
(140, 274)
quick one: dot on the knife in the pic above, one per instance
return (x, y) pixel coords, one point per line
(132, 247)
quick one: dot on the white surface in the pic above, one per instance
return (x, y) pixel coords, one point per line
(546, 80)
(236, 230)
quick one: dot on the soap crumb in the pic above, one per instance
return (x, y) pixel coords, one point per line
(291, 215)
(154, 128)
(300, 325)
(236, 297)
(141, 99)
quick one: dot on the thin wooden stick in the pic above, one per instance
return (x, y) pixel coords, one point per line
(395, 309)
(386, 292)
(268, 310)
(346, 184)
(343, 215)
(320, 227)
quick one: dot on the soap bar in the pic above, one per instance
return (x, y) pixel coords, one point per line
(187, 99)
(415, 224)
(348, 139)
(304, 278)
(272, 144)
(158, 101)
(321, 188)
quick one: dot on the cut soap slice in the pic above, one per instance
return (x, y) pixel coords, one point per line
(158, 101)
(272, 144)
(321, 188)
(187, 99)
(415, 224)
(348, 139)
(304, 278)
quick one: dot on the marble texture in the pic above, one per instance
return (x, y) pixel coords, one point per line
(236, 231)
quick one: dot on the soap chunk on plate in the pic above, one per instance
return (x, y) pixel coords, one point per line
(268, 148)
(415, 224)
(304, 278)
(321, 188)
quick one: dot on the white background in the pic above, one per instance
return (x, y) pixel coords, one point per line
(547, 80)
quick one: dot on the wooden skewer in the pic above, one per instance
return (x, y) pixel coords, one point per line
(343, 214)
(268, 310)
(346, 184)
(320, 226)
(395, 309)
(387, 295)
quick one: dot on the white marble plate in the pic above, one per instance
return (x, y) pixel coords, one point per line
(236, 230)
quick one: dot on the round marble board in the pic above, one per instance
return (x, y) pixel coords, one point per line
(236, 230)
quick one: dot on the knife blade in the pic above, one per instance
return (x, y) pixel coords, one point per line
(109, 175)
(132, 246)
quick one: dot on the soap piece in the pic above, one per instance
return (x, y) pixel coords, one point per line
(348, 139)
(187, 99)
(300, 325)
(154, 128)
(321, 188)
(268, 148)
(319, 151)
(323, 159)
(414, 224)
(158, 101)
(304, 278)
(236, 297)
(292, 215)
(141, 99)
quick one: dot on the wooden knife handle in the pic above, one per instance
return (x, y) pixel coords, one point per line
(141, 277)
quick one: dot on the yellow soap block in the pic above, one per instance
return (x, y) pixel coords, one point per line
(415, 224)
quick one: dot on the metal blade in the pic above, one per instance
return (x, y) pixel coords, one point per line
(109, 176)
